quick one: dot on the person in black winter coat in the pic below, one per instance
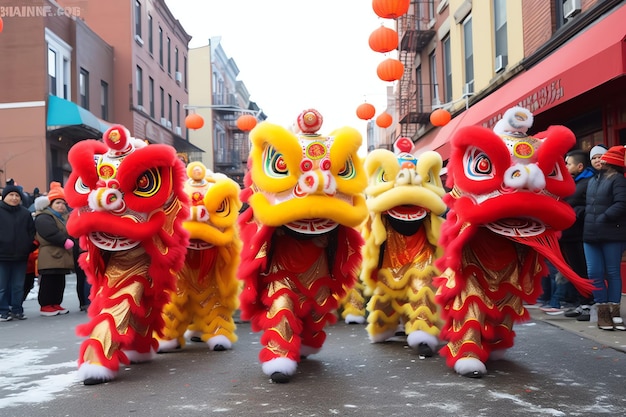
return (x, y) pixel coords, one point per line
(17, 241)
(571, 242)
(604, 236)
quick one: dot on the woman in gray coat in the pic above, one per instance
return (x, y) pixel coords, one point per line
(55, 258)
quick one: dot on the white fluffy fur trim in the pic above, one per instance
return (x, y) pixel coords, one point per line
(420, 336)
(469, 365)
(497, 355)
(352, 318)
(136, 357)
(168, 345)
(308, 350)
(87, 370)
(219, 340)
(284, 365)
(192, 333)
(381, 337)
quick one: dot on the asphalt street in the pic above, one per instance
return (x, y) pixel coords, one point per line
(551, 371)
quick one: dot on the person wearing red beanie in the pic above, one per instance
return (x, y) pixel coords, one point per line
(604, 236)
(55, 258)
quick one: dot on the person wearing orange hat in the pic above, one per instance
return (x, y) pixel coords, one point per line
(604, 236)
(55, 258)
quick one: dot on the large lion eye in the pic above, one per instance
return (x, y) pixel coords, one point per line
(274, 163)
(224, 209)
(381, 176)
(478, 166)
(80, 187)
(148, 183)
(348, 171)
(556, 173)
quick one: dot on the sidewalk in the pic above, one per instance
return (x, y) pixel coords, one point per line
(613, 339)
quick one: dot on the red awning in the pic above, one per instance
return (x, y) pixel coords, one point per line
(590, 59)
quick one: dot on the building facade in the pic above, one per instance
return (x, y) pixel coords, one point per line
(55, 90)
(76, 67)
(562, 59)
(220, 99)
(151, 68)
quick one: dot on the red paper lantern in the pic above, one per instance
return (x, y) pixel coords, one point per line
(383, 40)
(390, 70)
(1, 25)
(246, 122)
(440, 117)
(384, 120)
(194, 121)
(390, 9)
(365, 111)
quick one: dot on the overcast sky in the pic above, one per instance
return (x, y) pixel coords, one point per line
(294, 54)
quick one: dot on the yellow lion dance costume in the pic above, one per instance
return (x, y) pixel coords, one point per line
(301, 249)
(207, 288)
(404, 197)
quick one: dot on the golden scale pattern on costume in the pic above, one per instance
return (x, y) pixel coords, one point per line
(317, 270)
(510, 275)
(122, 265)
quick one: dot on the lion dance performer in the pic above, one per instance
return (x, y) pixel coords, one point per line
(301, 249)
(506, 214)
(207, 288)
(404, 198)
(129, 206)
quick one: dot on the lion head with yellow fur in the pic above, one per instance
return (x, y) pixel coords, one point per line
(214, 207)
(403, 193)
(305, 181)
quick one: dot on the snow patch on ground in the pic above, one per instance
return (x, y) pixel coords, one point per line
(25, 380)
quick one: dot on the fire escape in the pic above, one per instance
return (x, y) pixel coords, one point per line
(415, 33)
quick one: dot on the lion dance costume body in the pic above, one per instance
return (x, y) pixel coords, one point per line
(506, 214)
(207, 288)
(129, 206)
(301, 249)
(404, 197)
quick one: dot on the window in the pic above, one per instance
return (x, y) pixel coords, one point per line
(161, 47)
(434, 90)
(151, 95)
(177, 113)
(138, 21)
(162, 103)
(169, 107)
(139, 82)
(104, 100)
(420, 88)
(169, 55)
(83, 85)
(59, 60)
(52, 72)
(499, 12)
(150, 37)
(176, 59)
(468, 54)
(185, 71)
(447, 70)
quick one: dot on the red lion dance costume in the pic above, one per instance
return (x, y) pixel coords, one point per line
(506, 214)
(129, 206)
(207, 287)
(404, 197)
(301, 251)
